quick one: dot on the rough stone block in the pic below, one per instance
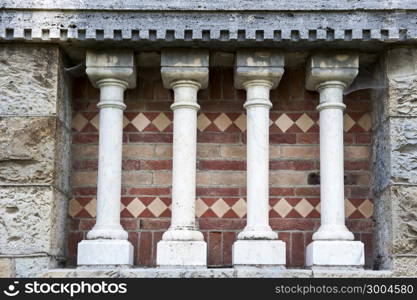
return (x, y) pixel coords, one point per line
(181, 254)
(33, 266)
(7, 268)
(29, 79)
(335, 253)
(404, 220)
(28, 221)
(258, 253)
(105, 252)
(404, 267)
(28, 149)
(403, 135)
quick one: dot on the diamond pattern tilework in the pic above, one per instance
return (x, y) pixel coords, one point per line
(221, 122)
(154, 207)
(304, 122)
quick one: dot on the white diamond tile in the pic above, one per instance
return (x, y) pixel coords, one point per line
(240, 122)
(220, 207)
(282, 207)
(200, 207)
(136, 207)
(284, 122)
(140, 122)
(222, 122)
(348, 122)
(304, 208)
(74, 207)
(161, 122)
(349, 208)
(96, 121)
(203, 122)
(304, 122)
(365, 122)
(240, 207)
(91, 207)
(157, 207)
(79, 122)
(366, 208)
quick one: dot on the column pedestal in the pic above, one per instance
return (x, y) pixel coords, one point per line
(335, 253)
(258, 253)
(105, 252)
(182, 253)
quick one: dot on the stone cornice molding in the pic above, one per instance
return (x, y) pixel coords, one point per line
(231, 5)
(183, 24)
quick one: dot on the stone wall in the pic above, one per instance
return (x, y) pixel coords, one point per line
(34, 158)
(394, 164)
(221, 167)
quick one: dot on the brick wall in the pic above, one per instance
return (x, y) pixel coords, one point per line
(294, 154)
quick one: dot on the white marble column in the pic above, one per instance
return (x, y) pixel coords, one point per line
(258, 72)
(184, 71)
(113, 72)
(333, 245)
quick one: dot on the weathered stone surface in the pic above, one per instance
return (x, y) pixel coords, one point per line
(403, 135)
(404, 219)
(383, 230)
(33, 266)
(353, 273)
(29, 76)
(28, 221)
(184, 64)
(118, 64)
(244, 272)
(401, 68)
(27, 149)
(6, 267)
(405, 267)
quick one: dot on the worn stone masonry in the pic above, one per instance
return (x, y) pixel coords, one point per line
(208, 139)
(35, 140)
(394, 161)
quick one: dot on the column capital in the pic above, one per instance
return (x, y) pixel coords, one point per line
(258, 65)
(184, 65)
(117, 65)
(333, 67)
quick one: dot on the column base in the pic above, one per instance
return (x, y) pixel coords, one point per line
(181, 254)
(335, 254)
(105, 252)
(258, 253)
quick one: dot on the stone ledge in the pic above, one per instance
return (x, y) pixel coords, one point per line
(242, 272)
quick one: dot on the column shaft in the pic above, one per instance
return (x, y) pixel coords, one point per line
(109, 162)
(184, 162)
(257, 106)
(332, 205)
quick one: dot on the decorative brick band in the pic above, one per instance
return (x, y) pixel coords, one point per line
(159, 207)
(222, 122)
